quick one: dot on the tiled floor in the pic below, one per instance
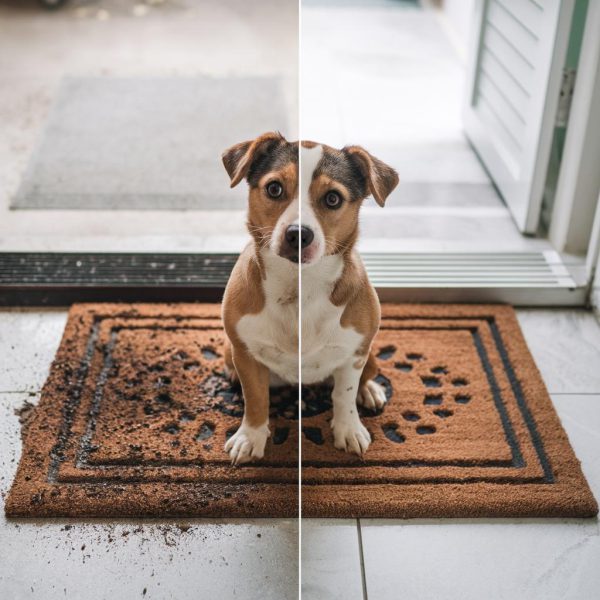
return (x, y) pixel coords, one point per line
(473, 559)
(154, 559)
(492, 559)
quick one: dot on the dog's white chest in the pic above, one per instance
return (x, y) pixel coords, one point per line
(272, 335)
(326, 345)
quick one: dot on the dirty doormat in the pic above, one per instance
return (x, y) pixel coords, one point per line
(469, 429)
(136, 410)
(133, 419)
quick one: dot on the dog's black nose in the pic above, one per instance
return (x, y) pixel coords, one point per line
(293, 232)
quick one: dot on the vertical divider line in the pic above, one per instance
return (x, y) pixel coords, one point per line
(299, 65)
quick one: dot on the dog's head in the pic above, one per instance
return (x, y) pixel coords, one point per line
(333, 185)
(270, 166)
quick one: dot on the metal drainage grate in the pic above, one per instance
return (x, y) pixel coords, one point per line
(520, 278)
(63, 278)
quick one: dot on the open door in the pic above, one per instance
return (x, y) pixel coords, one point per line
(515, 72)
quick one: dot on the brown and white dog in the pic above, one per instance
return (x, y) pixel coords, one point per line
(311, 228)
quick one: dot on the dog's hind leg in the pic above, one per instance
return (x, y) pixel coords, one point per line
(371, 395)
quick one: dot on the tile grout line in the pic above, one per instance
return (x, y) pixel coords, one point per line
(573, 393)
(363, 575)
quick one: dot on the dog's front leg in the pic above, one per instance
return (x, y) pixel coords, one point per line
(249, 440)
(348, 432)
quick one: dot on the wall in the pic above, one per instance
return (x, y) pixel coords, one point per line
(458, 15)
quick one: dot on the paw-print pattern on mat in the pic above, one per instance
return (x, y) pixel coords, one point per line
(433, 400)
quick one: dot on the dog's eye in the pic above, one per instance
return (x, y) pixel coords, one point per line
(332, 200)
(274, 189)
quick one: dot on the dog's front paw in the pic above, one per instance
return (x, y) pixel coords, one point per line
(351, 435)
(371, 395)
(247, 443)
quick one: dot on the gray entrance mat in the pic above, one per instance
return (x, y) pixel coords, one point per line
(147, 143)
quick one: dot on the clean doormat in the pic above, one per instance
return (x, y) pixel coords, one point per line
(469, 429)
(147, 143)
(133, 418)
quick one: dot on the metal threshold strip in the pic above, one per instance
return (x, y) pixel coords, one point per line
(522, 278)
(532, 278)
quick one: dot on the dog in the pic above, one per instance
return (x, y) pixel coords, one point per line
(304, 230)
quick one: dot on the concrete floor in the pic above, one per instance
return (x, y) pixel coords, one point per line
(129, 38)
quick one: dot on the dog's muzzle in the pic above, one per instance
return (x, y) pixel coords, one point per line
(297, 238)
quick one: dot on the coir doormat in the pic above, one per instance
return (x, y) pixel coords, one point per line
(133, 419)
(136, 410)
(469, 429)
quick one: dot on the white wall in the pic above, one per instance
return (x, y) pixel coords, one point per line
(458, 16)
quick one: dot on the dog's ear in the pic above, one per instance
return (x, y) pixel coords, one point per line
(381, 179)
(239, 158)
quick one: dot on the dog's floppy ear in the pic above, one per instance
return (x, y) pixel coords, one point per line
(381, 179)
(238, 158)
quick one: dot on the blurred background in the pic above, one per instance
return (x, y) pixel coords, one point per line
(114, 114)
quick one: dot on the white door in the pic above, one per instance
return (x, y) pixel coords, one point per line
(515, 71)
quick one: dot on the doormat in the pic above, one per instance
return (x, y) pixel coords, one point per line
(147, 143)
(133, 419)
(134, 415)
(468, 431)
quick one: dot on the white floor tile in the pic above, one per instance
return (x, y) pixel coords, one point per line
(331, 566)
(28, 341)
(119, 559)
(566, 347)
(580, 416)
(526, 559)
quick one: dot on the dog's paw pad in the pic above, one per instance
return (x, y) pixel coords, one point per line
(372, 396)
(247, 443)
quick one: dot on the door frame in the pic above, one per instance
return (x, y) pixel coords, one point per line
(575, 223)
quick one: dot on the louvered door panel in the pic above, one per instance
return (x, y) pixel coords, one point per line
(515, 72)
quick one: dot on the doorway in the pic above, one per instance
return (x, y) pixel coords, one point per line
(451, 230)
